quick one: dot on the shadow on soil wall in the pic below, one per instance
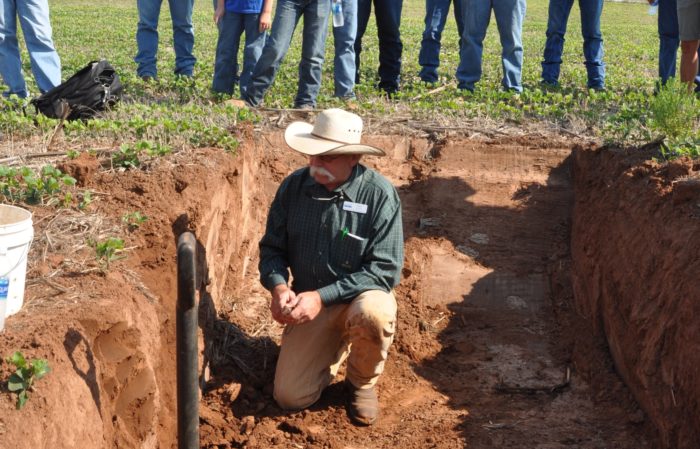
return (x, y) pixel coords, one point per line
(635, 273)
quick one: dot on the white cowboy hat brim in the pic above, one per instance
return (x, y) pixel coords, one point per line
(299, 138)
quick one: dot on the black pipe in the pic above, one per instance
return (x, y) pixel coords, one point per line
(187, 353)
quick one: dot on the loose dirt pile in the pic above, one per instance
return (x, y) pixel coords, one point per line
(480, 358)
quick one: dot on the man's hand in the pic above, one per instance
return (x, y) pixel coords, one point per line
(283, 302)
(308, 307)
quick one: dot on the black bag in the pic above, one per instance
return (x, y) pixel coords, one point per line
(94, 88)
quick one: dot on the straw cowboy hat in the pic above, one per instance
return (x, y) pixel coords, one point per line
(334, 132)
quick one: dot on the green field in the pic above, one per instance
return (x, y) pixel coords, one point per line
(177, 112)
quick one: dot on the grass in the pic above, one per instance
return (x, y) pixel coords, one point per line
(176, 113)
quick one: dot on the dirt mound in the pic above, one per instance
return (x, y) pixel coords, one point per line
(635, 251)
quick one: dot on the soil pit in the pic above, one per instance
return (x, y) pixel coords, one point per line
(496, 346)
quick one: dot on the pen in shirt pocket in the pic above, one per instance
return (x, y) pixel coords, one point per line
(346, 233)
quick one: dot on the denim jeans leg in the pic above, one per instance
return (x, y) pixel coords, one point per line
(183, 36)
(476, 15)
(147, 37)
(10, 62)
(509, 18)
(559, 11)
(36, 26)
(459, 17)
(668, 39)
(593, 42)
(313, 49)
(436, 12)
(364, 9)
(344, 61)
(388, 13)
(254, 43)
(226, 63)
(287, 15)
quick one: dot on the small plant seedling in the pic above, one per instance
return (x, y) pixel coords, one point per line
(22, 380)
(108, 250)
(134, 219)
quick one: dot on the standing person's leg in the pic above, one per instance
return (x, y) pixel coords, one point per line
(689, 33)
(183, 36)
(436, 12)
(388, 14)
(226, 63)
(668, 39)
(459, 18)
(476, 16)
(593, 42)
(364, 9)
(313, 49)
(147, 37)
(254, 43)
(344, 61)
(509, 19)
(559, 11)
(287, 15)
(10, 62)
(36, 27)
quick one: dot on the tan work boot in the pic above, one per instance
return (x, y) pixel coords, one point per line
(363, 405)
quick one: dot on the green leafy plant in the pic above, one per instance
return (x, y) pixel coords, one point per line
(108, 251)
(674, 112)
(48, 186)
(126, 157)
(85, 200)
(22, 380)
(134, 219)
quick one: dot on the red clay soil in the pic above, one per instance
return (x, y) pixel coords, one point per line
(629, 209)
(490, 350)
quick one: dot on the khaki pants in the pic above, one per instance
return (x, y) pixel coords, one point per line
(311, 353)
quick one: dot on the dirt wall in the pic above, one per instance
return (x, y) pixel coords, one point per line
(635, 250)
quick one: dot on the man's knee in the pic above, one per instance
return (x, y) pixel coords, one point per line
(290, 398)
(375, 311)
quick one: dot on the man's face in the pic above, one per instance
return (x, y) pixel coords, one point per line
(332, 170)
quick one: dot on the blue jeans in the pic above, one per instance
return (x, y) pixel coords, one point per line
(36, 27)
(388, 15)
(287, 15)
(231, 26)
(669, 41)
(147, 36)
(476, 15)
(344, 61)
(592, 40)
(436, 12)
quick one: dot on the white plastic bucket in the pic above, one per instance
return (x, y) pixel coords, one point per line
(16, 234)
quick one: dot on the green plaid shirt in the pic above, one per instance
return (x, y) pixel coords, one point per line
(327, 239)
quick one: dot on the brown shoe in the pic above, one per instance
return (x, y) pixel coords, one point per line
(363, 405)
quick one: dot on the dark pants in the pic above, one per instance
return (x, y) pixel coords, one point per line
(388, 15)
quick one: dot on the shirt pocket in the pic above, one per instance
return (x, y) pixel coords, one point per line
(348, 253)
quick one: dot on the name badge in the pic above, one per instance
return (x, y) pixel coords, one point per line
(355, 207)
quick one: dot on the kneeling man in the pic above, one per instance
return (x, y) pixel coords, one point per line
(336, 225)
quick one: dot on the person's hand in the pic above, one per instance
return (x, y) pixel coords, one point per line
(265, 21)
(283, 302)
(218, 14)
(308, 307)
